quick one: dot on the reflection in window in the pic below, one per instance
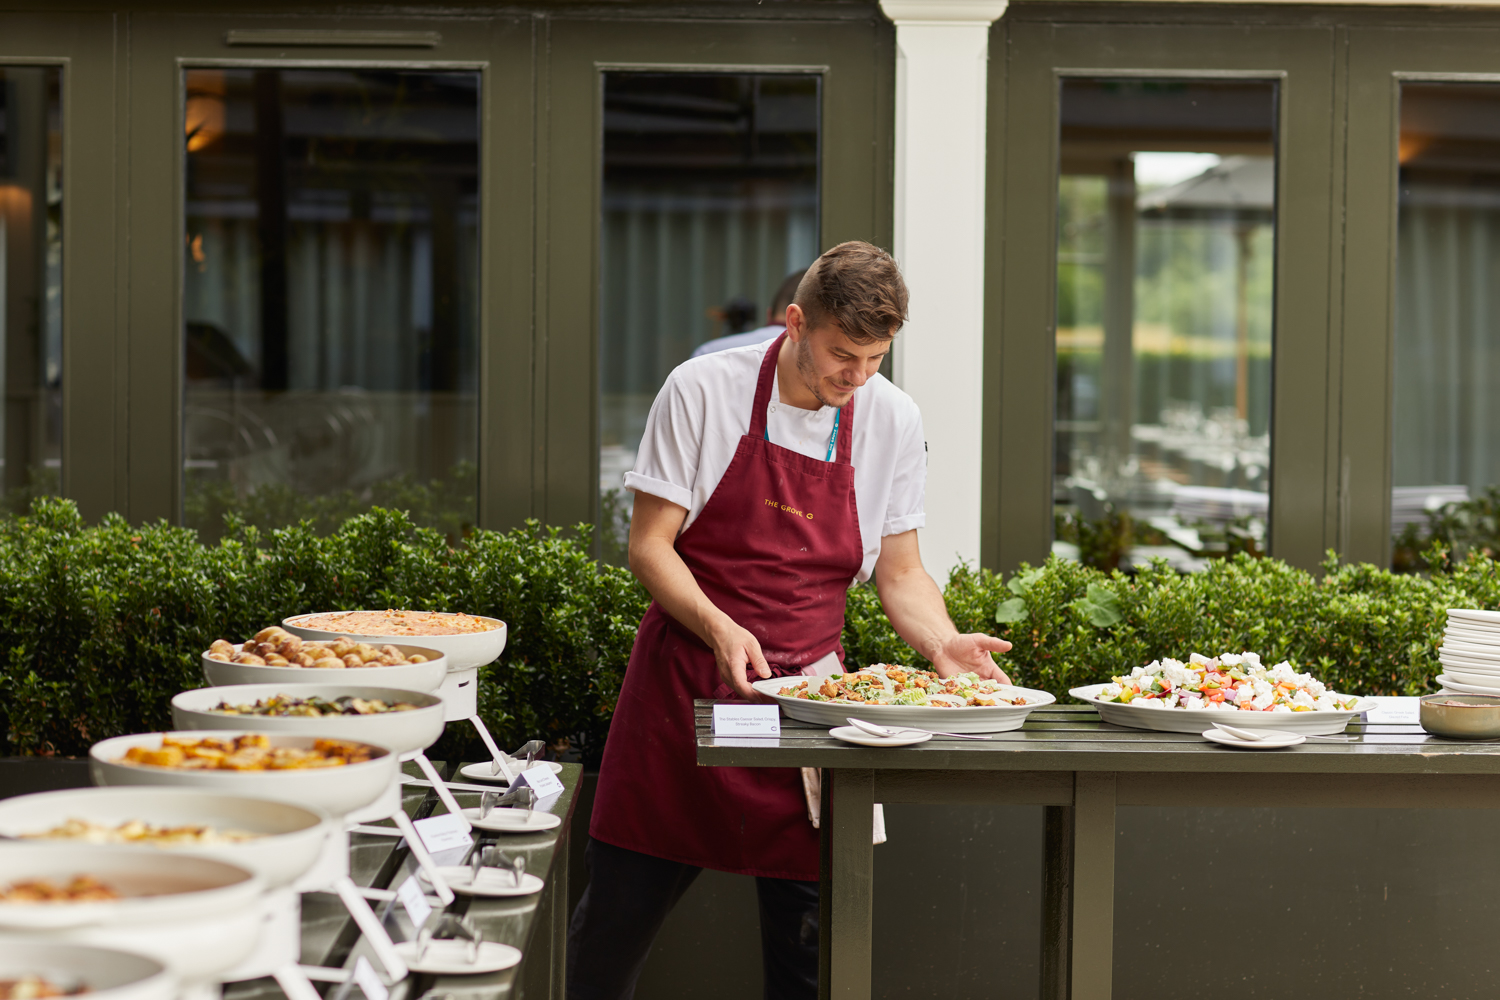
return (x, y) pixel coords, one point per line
(1447, 361)
(31, 282)
(710, 199)
(1165, 258)
(330, 295)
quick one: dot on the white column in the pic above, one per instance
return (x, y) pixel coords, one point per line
(942, 55)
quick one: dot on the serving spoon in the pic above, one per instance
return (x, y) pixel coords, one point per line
(887, 732)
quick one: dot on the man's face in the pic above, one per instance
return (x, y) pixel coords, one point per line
(831, 365)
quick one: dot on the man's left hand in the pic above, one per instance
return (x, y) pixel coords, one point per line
(970, 653)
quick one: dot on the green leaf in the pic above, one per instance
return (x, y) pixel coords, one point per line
(1013, 610)
(1101, 607)
(1021, 583)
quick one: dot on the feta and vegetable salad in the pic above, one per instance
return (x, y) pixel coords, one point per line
(888, 684)
(1227, 682)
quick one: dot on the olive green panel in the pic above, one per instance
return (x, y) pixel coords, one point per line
(1378, 59)
(84, 45)
(162, 45)
(857, 60)
(1021, 279)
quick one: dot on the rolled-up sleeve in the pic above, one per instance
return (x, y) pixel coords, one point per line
(666, 465)
(905, 510)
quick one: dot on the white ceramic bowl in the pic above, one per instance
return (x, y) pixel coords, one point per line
(336, 791)
(406, 676)
(997, 719)
(1183, 720)
(470, 649)
(403, 732)
(290, 840)
(156, 887)
(106, 973)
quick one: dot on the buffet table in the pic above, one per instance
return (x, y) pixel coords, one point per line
(1080, 769)
(536, 924)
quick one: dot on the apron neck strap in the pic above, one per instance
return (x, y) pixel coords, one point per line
(844, 427)
(763, 389)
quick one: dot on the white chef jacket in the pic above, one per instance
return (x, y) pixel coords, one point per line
(703, 410)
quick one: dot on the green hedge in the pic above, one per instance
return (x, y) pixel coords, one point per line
(101, 625)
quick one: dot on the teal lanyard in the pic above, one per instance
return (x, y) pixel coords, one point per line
(832, 438)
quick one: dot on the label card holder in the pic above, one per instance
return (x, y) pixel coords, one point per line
(443, 833)
(368, 980)
(417, 907)
(541, 780)
(747, 720)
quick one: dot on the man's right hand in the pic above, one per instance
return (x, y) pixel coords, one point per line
(736, 652)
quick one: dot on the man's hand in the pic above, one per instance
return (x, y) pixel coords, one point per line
(736, 652)
(915, 606)
(970, 652)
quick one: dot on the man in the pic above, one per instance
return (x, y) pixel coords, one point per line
(769, 479)
(775, 321)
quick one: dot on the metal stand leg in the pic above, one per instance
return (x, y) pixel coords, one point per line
(370, 927)
(424, 860)
(438, 785)
(846, 892)
(295, 984)
(489, 744)
(1091, 958)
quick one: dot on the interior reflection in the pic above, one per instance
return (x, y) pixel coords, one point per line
(330, 294)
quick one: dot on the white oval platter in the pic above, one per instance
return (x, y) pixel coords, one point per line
(1183, 720)
(831, 714)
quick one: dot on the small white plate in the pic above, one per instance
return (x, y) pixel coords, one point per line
(1469, 616)
(451, 958)
(851, 735)
(1289, 740)
(1459, 687)
(492, 881)
(481, 771)
(513, 821)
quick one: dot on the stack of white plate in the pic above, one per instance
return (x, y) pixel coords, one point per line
(1471, 652)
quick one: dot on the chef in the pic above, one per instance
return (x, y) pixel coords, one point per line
(769, 479)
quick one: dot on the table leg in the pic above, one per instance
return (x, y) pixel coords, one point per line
(1091, 952)
(1057, 900)
(846, 899)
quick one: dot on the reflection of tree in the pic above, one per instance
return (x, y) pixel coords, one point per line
(447, 504)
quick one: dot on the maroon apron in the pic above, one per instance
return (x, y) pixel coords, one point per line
(775, 548)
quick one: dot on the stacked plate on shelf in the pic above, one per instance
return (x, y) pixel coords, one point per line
(1471, 652)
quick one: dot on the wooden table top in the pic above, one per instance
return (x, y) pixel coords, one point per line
(1074, 738)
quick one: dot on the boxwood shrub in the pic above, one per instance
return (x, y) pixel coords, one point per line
(100, 625)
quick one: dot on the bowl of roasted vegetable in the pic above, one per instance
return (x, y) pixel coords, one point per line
(404, 721)
(275, 656)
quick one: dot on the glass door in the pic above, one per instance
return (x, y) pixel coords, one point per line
(343, 231)
(1178, 176)
(1422, 327)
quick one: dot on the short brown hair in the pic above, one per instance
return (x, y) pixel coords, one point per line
(859, 287)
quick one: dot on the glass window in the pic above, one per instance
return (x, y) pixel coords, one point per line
(331, 295)
(1165, 258)
(31, 281)
(710, 204)
(1446, 428)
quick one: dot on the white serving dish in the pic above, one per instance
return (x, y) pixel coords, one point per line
(157, 887)
(1472, 632)
(1456, 686)
(998, 719)
(403, 732)
(337, 791)
(1490, 682)
(1184, 720)
(108, 974)
(464, 651)
(292, 836)
(1474, 615)
(405, 676)
(1470, 666)
(1475, 650)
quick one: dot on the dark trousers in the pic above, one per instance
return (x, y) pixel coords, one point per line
(628, 898)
